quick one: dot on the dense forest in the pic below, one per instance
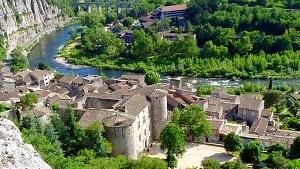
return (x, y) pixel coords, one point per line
(231, 41)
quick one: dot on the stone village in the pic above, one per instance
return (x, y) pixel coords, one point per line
(133, 114)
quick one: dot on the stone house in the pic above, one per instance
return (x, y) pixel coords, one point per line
(23, 78)
(77, 82)
(250, 109)
(66, 81)
(41, 77)
(172, 11)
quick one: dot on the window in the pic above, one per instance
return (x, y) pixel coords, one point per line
(140, 138)
(139, 125)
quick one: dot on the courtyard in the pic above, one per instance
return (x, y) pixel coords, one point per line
(194, 154)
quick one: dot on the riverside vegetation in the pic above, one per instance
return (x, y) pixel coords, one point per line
(255, 41)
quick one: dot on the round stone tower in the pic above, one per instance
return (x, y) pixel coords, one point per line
(120, 133)
(158, 111)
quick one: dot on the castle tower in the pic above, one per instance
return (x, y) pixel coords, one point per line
(158, 111)
(120, 133)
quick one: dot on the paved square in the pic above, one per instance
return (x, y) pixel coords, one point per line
(194, 154)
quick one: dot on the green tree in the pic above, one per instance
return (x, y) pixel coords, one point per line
(210, 164)
(146, 162)
(293, 164)
(276, 160)
(192, 120)
(152, 77)
(295, 148)
(95, 141)
(277, 147)
(233, 142)
(273, 98)
(252, 152)
(74, 133)
(93, 20)
(173, 141)
(19, 60)
(204, 90)
(128, 21)
(237, 164)
(28, 101)
(2, 48)
(143, 45)
(43, 66)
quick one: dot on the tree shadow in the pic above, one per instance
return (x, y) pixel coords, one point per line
(221, 157)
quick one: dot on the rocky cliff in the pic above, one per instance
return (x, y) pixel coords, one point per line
(24, 21)
(14, 153)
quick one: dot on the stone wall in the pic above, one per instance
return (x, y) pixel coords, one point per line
(25, 21)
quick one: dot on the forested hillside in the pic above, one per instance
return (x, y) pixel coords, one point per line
(240, 39)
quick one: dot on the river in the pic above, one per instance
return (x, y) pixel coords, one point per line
(48, 46)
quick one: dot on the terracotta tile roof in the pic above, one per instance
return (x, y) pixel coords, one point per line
(266, 113)
(228, 97)
(66, 79)
(132, 77)
(146, 19)
(259, 126)
(174, 8)
(23, 73)
(91, 116)
(236, 128)
(216, 124)
(251, 104)
(78, 80)
(39, 74)
(214, 101)
(135, 105)
(228, 106)
(42, 93)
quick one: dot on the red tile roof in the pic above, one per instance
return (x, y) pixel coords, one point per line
(174, 8)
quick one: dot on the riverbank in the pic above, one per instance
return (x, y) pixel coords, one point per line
(190, 67)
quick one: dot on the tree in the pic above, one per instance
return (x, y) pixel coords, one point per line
(293, 164)
(210, 164)
(276, 160)
(146, 162)
(93, 20)
(237, 164)
(233, 142)
(43, 66)
(95, 141)
(252, 152)
(192, 120)
(173, 141)
(277, 147)
(273, 97)
(295, 148)
(19, 60)
(128, 21)
(143, 45)
(74, 133)
(152, 77)
(2, 48)
(28, 101)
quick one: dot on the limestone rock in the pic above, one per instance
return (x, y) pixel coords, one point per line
(14, 154)
(22, 20)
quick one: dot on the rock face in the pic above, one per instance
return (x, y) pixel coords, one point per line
(14, 154)
(23, 21)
